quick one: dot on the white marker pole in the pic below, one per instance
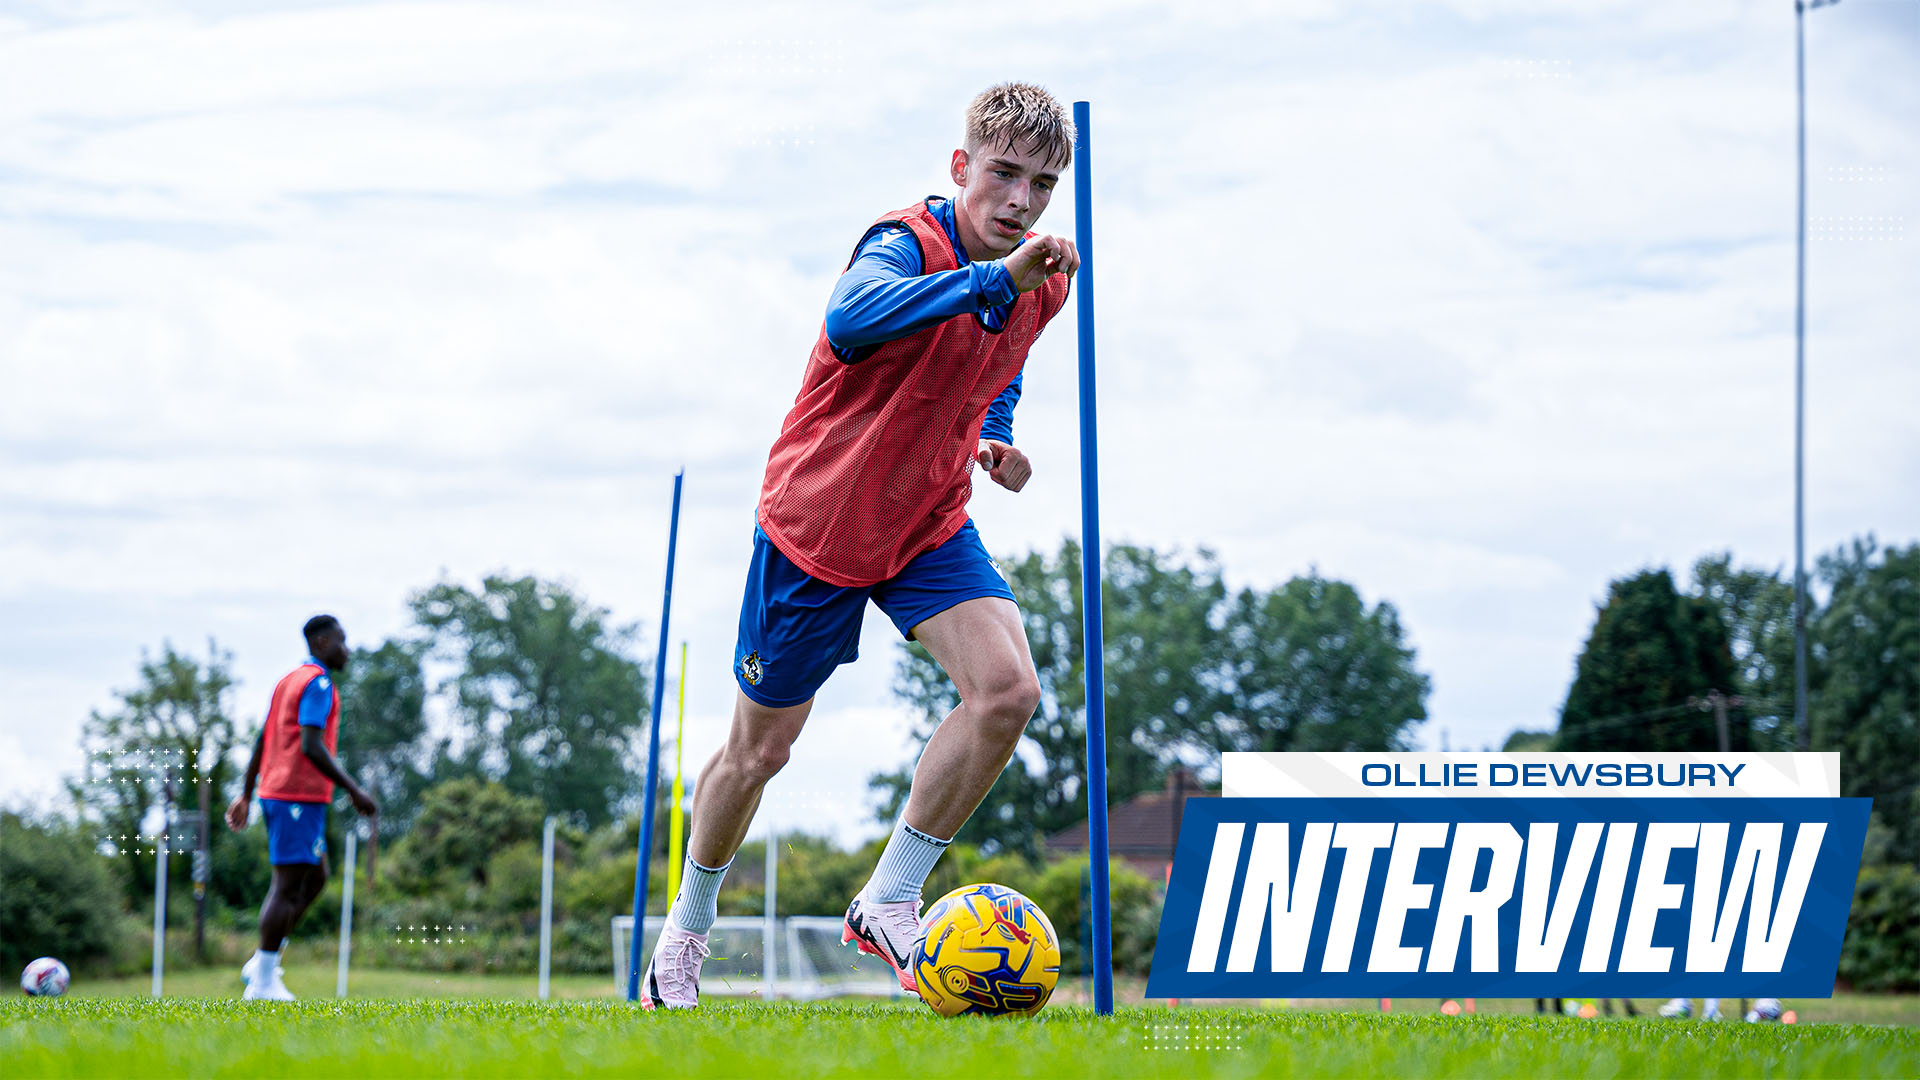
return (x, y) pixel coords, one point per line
(546, 906)
(160, 904)
(769, 934)
(346, 912)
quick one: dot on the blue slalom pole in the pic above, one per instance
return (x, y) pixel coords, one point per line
(1096, 660)
(653, 759)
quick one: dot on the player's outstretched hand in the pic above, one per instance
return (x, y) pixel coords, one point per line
(1041, 257)
(363, 802)
(237, 813)
(1008, 466)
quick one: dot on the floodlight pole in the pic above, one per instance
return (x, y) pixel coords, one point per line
(1090, 552)
(1800, 722)
(653, 757)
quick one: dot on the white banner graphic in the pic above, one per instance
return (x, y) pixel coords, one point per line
(1465, 775)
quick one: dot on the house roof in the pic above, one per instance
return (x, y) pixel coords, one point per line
(1143, 826)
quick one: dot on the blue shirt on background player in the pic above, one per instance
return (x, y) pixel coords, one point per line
(316, 701)
(883, 297)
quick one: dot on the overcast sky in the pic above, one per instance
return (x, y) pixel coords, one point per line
(1476, 305)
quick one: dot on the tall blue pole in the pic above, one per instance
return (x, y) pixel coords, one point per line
(1096, 665)
(653, 758)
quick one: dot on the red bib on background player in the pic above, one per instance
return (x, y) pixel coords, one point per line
(285, 772)
(874, 463)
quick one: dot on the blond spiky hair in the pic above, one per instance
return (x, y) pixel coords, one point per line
(1017, 114)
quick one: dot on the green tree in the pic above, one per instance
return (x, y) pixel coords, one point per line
(384, 741)
(173, 733)
(1756, 607)
(1866, 673)
(461, 826)
(1522, 742)
(1653, 657)
(1191, 670)
(600, 883)
(1163, 668)
(1313, 668)
(549, 700)
(815, 874)
(1062, 890)
(1881, 953)
(58, 897)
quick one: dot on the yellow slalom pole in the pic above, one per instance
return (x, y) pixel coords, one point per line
(676, 820)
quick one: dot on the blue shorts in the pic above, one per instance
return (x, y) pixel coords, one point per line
(795, 629)
(296, 831)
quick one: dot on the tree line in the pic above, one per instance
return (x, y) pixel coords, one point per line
(1193, 668)
(540, 703)
(1662, 668)
(1713, 667)
(540, 692)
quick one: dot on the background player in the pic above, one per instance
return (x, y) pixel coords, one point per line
(910, 383)
(294, 764)
(1682, 1008)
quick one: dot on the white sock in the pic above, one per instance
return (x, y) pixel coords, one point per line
(266, 962)
(904, 865)
(699, 901)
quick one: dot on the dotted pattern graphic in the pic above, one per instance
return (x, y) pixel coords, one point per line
(1859, 174)
(777, 56)
(1196, 1036)
(133, 767)
(1859, 227)
(145, 770)
(130, 843)
(430, 935)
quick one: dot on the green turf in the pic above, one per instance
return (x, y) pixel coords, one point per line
(317, 980)
(372, 1039)
(313, 977)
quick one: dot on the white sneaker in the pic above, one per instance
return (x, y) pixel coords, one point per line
(1712, 1010)
(1677, 1009)
(271, 988)
(891, 932)
(253, 963)
(672, 977)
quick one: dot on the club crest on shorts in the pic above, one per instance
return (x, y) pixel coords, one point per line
(751, 669)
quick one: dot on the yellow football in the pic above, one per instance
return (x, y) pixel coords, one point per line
(988, 950)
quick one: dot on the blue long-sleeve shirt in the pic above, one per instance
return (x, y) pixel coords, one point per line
(316, 702)
(884, 297)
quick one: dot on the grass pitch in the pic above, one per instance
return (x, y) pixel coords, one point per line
(372, 1039)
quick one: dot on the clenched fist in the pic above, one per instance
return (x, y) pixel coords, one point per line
(1008, 466)
(1041, 257)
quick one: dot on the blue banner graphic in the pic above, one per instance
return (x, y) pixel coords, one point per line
(1516, 897)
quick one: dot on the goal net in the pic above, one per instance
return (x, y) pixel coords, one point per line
(807, 958)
